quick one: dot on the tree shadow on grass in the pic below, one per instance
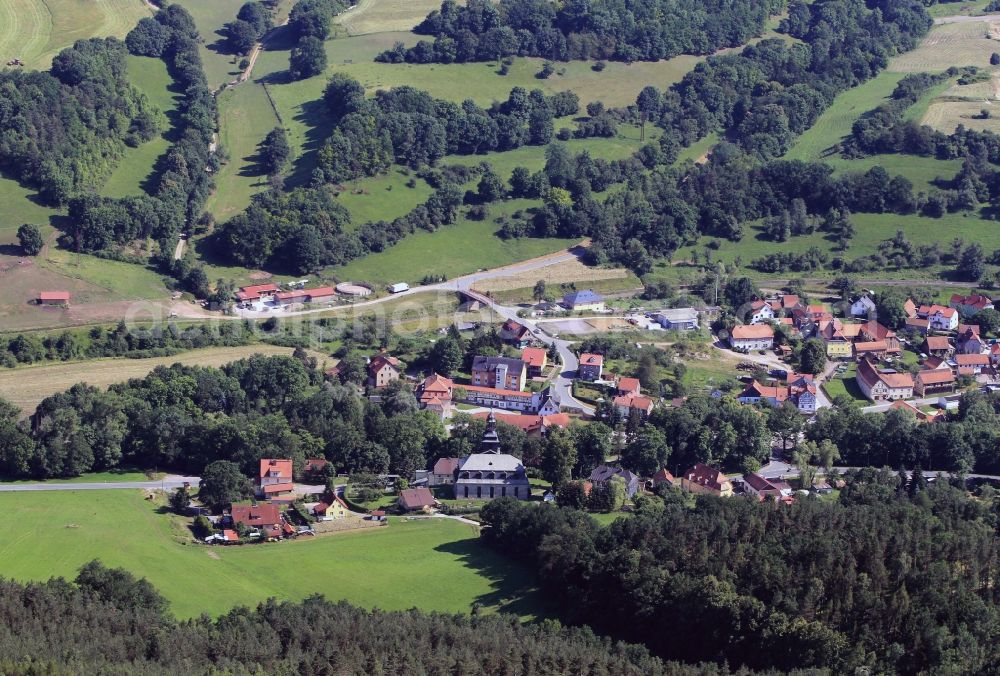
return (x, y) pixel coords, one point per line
(514, 588)
(315, 115)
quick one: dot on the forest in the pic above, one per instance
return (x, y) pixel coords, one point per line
(65, 130)
(583, 29)
(108, 621)
(894, 576)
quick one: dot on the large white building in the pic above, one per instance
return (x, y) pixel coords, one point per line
(491, 473)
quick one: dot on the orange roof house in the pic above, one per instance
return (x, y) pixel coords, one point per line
(53, 298)
(537, 358)
(704, 479)
(275, 477)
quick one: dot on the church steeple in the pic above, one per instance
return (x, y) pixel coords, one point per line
(491, 441)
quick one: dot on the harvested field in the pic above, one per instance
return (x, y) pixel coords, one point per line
(27, 386)
(947, 45)
(560, 273)
(945, 115)
(379, 16)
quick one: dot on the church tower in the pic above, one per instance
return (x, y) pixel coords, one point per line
(491, 441)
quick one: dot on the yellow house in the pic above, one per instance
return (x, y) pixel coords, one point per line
(326, 511)
(838, 349)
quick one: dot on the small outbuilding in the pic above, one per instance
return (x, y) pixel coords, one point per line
(53, 298)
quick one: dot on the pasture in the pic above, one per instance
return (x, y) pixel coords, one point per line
(20, 205)
(26, 386)
(436, 565)
(209, 16)
(137, 167)
(452, 250)
(384, 197)
(947, 45)
(36, 30)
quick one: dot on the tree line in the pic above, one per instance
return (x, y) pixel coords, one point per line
(65, 130)
(108, 621)
(894, 577)
(645, 30)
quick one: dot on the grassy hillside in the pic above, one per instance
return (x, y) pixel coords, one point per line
(436, 565)
(36, 30)
(137, 167)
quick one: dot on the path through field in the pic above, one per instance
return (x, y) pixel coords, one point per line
(26, 387)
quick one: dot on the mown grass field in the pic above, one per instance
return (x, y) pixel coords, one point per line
(27, 386)
(385, 197)
(95, 477)
(435, 565)
(36, 30)
(947, 45)
(209, 16)
(375, 16)
(452, 250)
(136, 168)
(20, 205)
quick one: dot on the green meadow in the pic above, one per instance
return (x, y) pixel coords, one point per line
(436, 565)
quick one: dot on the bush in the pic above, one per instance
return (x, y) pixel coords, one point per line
(599, 66)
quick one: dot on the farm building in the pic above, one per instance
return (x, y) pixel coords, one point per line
(53, 298)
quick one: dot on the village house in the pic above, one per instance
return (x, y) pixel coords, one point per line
(971, 364)
(938, 346)
(627, 403)
(704, 479)
(933, 381)
(876, 349)
(663, 477)
(604, 473)
(382, 370)
(416, 500)
(995, 354)
(677, 319)
(759, 487)
(838, 339)
(491, 473)
(256, 293)
(969, 341)
(315, 468)
(883, 385)
(502, 373)
(496, 398)
(801, 392)
(939, 318)
(920, 326)
(60, 298)
(263, 518)
(752, 337)
(863, 307)
(443, 473)
(910, 308)
(760, 311)
(625, 386)
(872, 331)
(971, 304)
(537, 359)
(586, 300)
(435, 394)
(515, 333)
(591, 367)
(274, 478)
(328, 511)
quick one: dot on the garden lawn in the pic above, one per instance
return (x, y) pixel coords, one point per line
(845, 386)
(137, 167)
(435, 565)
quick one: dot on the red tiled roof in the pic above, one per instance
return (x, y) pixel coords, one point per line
(321, 508)
(379, 361)
(278, 488)
(445, 466)
(275, 467)
(867, 372)
(230, 535)
(535, 356)
(54, 295)
(494, 390)
(935, 377)
(706, 476)
(751, 331)
(972, 359)
(627, 385)
(313, 464)
(975, 300)
(938, 343)
(256, 516)
(758, 483)
(416, 498)
(591, 359)
(663, 476)
(254, 292)
(635, 401)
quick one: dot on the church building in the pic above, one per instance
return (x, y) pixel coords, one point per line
(491, 473)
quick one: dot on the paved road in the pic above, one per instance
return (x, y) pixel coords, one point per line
(779, 468)
(167, 483)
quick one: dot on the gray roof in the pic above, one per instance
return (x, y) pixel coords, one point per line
(585, 296)
(681, 314)
(605, 472)
(481, 363)
(491, 462)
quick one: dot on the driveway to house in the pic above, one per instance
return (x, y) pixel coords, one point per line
(167, 483)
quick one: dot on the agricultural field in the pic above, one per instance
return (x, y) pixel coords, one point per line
(136, 168)
(452, 250)
(446, 569)
(26, 386)
(954, 44)
(375, 16)
(36, 30)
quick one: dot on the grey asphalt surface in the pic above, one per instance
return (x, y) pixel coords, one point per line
(168, 483)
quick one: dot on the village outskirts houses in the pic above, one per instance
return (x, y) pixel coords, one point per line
(971, 304)
(800, 390)
(502, 373)
(677, 319)
(879, 385)
(760, 311)
(581, 301)
(274, 478)
(939, 317)
(591, 367)
(704, 479)
(515, 333)
(864, 306)
(382, 370)
(536, 359)
(603, 473)
(752, 337)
